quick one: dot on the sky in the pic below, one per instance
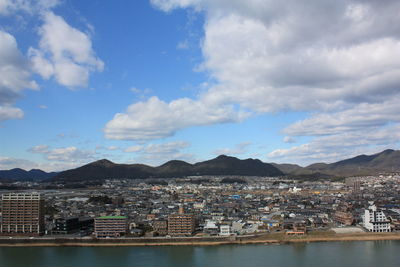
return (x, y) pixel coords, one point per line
(148, 81)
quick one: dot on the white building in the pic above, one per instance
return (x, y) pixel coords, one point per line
(375, 220)
(224, 230)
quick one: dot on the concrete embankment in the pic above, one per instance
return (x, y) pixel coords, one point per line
(197, 241)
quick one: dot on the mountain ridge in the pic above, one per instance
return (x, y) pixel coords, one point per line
(18, 174)
(385, 161)
(221, 165)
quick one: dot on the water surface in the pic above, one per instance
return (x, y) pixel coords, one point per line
(325, 254)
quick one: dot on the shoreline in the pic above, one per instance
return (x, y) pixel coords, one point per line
(256, 239)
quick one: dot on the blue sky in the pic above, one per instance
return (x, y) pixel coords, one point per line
(150, 81)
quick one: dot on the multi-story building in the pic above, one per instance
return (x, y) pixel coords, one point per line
(22, 214)
(110, 226)
(181, 224)
(72, 225)
(375, 220)
(225, 230)
(160, 227)
(343, 215)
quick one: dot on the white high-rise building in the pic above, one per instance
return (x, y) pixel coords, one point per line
(375, 220)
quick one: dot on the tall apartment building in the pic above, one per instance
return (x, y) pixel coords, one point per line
(110, 226)
(22, 214)
(375, 220)
(181, 224)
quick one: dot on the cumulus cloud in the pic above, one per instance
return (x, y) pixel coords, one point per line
(340, 146)
(336, 60)
(156, 154)
(362, 117)
(65, 154)
(64, 52)
(14, 77)
(154, 118)
(288, 55)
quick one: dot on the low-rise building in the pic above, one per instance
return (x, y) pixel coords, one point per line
(224, 230)
(110, 226)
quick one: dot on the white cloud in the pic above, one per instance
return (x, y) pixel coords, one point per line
(272, 56)
(65, 154)
(133, 149)
(288, 139)
(237, 150)
(64, 52)
(14, 77)
(155, 119)
(8, 7)
(184, 45)
(7, 113)
(340, 146)
(156, 154)
(7, 163)
(39, 149)
(361, 117)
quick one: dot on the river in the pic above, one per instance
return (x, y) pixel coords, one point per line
(322, 254)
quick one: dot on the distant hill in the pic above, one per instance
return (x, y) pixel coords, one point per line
(221, 165)
(287, 168)
(18, 174)
(385, 161)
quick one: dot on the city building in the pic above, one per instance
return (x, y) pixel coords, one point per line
(160, 227)
(72, 225)
(22, 214)
(181, 224)
(343, 215)
(110, 226)
(375, 220)
(224, 230)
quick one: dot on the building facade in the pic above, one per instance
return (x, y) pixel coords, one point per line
(160, 227)
(375, 220)
(110, 226)
(181, 224)
(72, 225)
(22, 214)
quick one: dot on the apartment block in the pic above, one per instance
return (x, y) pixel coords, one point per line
(110, 226)
(22, 214)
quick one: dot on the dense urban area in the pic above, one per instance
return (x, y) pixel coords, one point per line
(206, 206)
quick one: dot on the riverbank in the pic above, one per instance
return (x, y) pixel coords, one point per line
(278, 238)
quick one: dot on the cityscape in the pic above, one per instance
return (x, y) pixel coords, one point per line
(206, 208)
(199, 133)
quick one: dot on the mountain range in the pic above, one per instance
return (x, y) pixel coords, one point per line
(385, 161)
(18, 174)
(221, 165)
